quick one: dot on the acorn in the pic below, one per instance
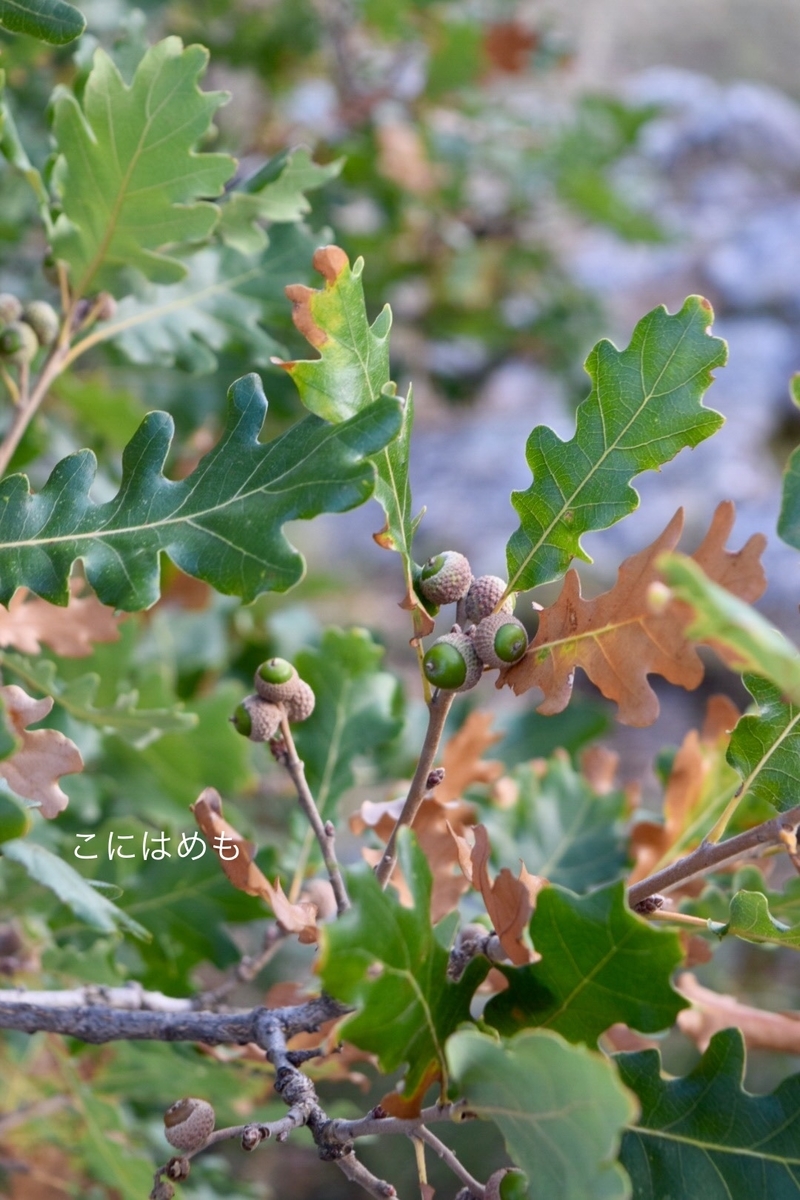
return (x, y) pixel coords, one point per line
(445, 578)
(277, 680)
(483, 597)
(452, 663)
(43, 320)
(256, 719)
(500, 640)
(18, 343)
(10, 308)
(188, 1123)
(106, 306)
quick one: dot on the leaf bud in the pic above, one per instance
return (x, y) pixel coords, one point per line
(18, 343)
(256, 719)
(445, 578)
(484, 596)
(10, 308)
(188, 1123)
(43, 320)
(452, 663)
(500, 640)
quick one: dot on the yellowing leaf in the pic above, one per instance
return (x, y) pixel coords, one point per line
(44, 755)
(243, 872)
(618, 640)
(28, 623)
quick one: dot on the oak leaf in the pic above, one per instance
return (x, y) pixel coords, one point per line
(509, 900)
(28, 623)
(243, 872)
(711, 1012)
(43, 756)
(618, 640)
(462, 757)
(700, 773)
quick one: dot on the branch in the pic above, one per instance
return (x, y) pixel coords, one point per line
(438, 710)
(711, 854)
(447, 1156)
(28, 404)
(286, 754)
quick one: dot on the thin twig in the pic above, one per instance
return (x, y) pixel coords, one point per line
(28, 405)
(32, 1112)
(348, 1131)
(447, 1156)
(286, 754)
(711, 854)
(246, 969)
(356, 1172)
(438, 710)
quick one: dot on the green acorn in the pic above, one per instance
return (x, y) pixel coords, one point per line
(452, 664)
(483, 597)
(43, 320)
(277, 680)
(445, 578)
(500, 640)
(10, 308)
(18, 343)
(256, 719)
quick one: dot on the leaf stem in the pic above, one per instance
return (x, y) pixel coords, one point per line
(447, 1156)
(711, 854)
(324, 833)
(438, 711)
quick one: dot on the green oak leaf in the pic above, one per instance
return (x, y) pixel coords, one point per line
(704, 1132)
(275, 193)
(600, 964)
(138, 726)
(560, 1108)
(789, 519)
(358, 710)
(222, 523)
(16, 155)
(128, 178)
(645, 406)
(560, 828)
(85, 900)
(221, 305)
(408, 1010)
(353, 371)
(746, 640)
(765, 749)
(51, 21)
(751, 920)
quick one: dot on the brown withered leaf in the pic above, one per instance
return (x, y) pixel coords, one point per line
(462, 757)
(618, 641)
(28, 623)
(243, 872)
(711, 1012)
(599, 768)
(509, 45)
(699, 774)
(43, 755)
(509, 899)
(403, 158)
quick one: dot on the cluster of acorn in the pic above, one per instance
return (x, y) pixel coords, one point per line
(24, 328)
(487, 634)
(279, 691)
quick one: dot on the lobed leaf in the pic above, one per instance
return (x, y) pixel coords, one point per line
(789, 519)
(707, 1129)
(127, 175)
(561, 1110)
(277, 192)
(222, 523)
(765, 748)
(644, 407)
(51, 21)
(408, 1010)
(41, 756)
(600, 965)
(751, 920)
(618, 639)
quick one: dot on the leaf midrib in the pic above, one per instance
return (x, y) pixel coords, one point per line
(711, 1147)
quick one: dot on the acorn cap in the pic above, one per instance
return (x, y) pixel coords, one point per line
(452, 663)
(43, 320)
(500, 640)
(188, 1123)
(274, 678)
(299, 701)
(256, 719)
(10, 307)
(445, 578)
(18, 343)
(483, 597)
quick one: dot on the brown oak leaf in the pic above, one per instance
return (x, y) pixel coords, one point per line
(43, 755)
(244, 874)
(711, 1012)
(29, 622)
(699, 774)
(462, 757)
(509, 899)
(618, 640)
